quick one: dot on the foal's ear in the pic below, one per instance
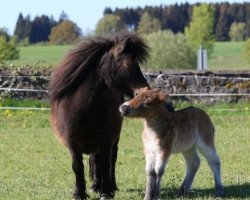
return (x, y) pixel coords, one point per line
(163, 96)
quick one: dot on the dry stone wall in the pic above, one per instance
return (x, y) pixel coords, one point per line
(186, 82)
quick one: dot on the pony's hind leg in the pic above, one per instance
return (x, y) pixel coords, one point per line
(213, 160)
(94, 172)
(192, 165)
(94, 169)
(78, 168)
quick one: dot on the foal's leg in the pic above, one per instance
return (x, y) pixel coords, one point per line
(78, 168)
(192, 165)
(213, 159)
(151, 176)
(159, 170)
(94, 171)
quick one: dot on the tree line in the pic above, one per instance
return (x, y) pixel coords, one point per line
(44, 28)
(176, 17)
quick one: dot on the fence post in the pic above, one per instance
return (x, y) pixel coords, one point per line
(202, 59)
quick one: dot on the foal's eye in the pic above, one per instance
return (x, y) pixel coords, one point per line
(144, 104)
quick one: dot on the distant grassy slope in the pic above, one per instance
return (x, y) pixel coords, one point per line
(226, 56)
(41, 55)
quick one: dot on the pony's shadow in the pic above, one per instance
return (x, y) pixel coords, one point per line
(231, 192)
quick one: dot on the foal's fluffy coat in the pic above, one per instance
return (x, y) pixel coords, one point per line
(167, 131)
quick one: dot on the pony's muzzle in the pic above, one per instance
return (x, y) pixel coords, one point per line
(124, 109)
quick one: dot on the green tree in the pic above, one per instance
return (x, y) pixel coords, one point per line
(67, 32)
(148, 24)
(109, 24)
(23, 27)
(169, 51)
(246, 50)
(200, 30)
(237, 31)
(8, 50)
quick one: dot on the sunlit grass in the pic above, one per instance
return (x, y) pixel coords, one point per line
(33, 165)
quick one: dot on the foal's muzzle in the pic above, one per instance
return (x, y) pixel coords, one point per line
(124, 109)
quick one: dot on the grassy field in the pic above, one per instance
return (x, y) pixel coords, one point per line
(41, 55)
(33, 165)
(226, 56)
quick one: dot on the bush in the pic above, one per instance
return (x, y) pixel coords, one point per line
(8, 50)
(246, 50)
(169, 51)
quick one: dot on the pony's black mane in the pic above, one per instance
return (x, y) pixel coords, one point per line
(170, 106)
(85, 58)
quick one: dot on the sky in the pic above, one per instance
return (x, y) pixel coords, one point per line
(85, 13)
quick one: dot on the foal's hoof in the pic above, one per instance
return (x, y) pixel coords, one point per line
(220, 193)
(182, 193)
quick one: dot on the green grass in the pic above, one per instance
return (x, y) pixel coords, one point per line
(226, 56)
(33, 165)
(40, 56)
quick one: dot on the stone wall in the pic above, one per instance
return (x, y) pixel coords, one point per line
(203, 82)
(185, 82)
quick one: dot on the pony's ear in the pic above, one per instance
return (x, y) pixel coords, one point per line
(120, 48)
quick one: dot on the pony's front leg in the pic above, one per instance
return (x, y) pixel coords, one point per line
(151, 178)
(106, 189)
(78, 168)
(113, 161)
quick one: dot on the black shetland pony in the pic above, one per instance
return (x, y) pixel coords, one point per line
(86, 91)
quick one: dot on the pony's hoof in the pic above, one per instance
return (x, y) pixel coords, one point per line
(107, 196)
(80, 196)
(94, 188)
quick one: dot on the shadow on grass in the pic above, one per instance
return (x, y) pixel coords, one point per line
(231, 192)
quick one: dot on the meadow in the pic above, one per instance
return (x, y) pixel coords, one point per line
(226, 56)
(34, 165)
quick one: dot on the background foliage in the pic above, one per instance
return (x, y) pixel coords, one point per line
(200, 30)
(109, 24)
(8, 50)
(67, 32)
(169, 51)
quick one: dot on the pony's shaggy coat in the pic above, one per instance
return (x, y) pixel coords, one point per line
(86, 90)
(167, 132)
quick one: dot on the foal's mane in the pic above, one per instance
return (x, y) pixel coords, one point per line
(80, 62)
